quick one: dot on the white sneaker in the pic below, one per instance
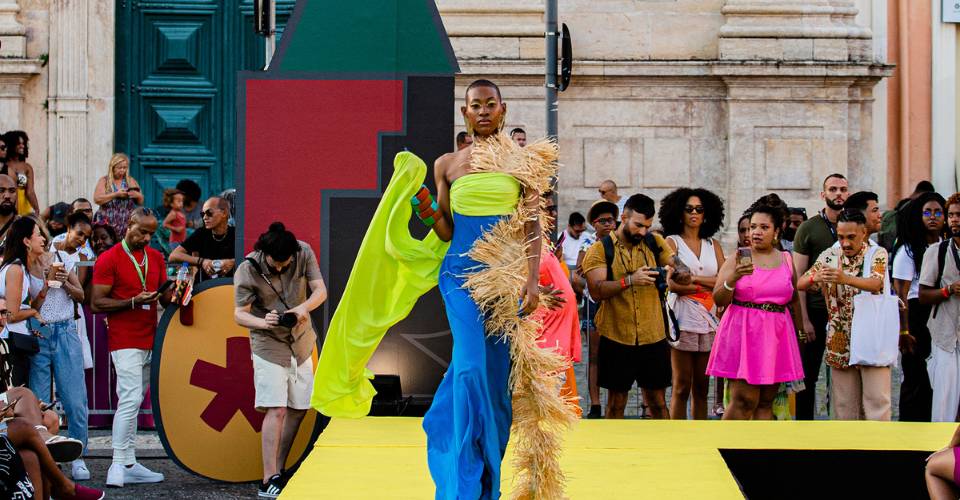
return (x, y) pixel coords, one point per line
(79, 471)
(115, 475)
(140, 474)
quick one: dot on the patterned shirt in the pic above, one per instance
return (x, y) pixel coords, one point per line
(839, 299)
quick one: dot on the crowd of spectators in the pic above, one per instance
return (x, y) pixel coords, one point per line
(78, 266)
(665, 306)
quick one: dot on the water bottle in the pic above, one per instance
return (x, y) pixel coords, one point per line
(183, 281)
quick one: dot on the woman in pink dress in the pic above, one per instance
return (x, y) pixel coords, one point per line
(756, 346)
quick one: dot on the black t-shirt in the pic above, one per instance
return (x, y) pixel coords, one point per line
(205, 245)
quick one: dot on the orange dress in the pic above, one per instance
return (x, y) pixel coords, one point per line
(561, 326)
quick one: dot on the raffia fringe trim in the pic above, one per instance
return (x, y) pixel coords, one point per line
(540, 414)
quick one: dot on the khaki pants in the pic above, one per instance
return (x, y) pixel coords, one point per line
(861, 393)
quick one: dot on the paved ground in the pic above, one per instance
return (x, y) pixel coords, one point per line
(178, 483)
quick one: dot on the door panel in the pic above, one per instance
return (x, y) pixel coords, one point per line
(177, 62)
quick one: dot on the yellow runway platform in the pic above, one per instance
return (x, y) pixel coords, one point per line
(385, 457)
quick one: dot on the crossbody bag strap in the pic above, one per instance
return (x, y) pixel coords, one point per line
(256, 267)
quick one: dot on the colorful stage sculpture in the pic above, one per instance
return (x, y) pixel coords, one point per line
(352, 85)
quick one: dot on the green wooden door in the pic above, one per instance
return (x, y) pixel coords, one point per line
(176, 84)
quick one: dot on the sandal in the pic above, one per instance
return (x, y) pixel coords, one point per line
(61, 448)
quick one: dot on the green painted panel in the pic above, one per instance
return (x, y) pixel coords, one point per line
(176, 79)
(386, 36)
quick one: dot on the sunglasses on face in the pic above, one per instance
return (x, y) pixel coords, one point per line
(933, 213)
(690, 209)
(208, 213)
(604, 220)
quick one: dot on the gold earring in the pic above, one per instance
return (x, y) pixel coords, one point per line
(503, 123)
(469, 128)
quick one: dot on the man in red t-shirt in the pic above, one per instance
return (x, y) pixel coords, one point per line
(125, 283)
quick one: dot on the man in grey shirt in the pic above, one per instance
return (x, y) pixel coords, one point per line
(943, 365)
(272, 300)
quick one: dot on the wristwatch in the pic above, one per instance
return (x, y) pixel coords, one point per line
(217, 265)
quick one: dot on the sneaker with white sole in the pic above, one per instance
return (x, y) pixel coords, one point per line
(140, 474)
(79, 470)
(115, 475)
(271, 488)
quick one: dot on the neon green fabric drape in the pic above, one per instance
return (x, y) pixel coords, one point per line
(391, 272)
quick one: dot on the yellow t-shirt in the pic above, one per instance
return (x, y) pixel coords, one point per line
(634, 316)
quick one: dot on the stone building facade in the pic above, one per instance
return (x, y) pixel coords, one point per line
(742, 97)
(739, 96)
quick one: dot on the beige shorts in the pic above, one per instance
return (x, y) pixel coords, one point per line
(694, 342)
(282, 387)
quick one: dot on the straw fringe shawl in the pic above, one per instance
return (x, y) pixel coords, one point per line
(540, 413)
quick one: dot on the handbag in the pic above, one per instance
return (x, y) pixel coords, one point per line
(875, 332)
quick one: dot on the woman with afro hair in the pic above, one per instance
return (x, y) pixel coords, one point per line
(690, 218)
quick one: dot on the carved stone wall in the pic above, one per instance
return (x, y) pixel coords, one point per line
(740, 97)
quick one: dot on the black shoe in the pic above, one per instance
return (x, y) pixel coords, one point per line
(594, 412)
(271, 488)
(286, 475)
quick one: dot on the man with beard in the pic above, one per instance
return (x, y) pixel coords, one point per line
(8, 204)
(125, 282)
(813, 237)
(633, 345)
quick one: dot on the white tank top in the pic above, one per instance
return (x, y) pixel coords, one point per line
(691, 315)
(20, 326)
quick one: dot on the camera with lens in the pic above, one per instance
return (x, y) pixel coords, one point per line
(661, 278)
(288, 320)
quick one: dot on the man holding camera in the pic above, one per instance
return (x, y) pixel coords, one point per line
(271, 299)
(127, 283)
(624, 272)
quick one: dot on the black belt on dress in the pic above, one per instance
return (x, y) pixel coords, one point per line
(774, 308)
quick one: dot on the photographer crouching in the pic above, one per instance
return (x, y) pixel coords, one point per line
(270, 288)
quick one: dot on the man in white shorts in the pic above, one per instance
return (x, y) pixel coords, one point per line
(275, 288)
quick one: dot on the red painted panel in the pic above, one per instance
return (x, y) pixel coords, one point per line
(306, 136)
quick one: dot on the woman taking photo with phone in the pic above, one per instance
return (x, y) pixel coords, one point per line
(690, 218)
(117, 193)
(756, 345)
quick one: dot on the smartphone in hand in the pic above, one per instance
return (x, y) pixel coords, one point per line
(744, 256)
(831, 261)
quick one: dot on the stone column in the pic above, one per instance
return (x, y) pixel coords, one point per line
(15, 68)
(67, 163)
(800, 76)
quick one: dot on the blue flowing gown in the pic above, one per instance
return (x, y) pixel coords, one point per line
(468, 424)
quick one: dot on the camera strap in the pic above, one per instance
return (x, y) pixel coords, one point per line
(256, 267)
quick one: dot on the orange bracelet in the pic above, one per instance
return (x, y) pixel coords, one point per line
(946, 292)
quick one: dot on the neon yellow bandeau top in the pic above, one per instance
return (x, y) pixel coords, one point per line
(487, 193)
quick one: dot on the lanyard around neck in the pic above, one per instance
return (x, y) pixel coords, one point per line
(141, 273)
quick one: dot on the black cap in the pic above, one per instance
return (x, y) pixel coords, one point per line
(59, 212)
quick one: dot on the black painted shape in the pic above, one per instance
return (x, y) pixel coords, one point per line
(827, 474)
(429, 134)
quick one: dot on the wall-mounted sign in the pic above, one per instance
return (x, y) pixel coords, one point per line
(951, 11)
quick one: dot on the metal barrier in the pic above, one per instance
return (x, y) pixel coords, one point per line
(101, 380)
